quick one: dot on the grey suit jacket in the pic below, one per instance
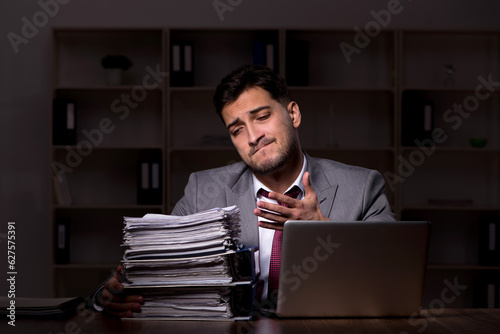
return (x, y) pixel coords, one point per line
(345, 193)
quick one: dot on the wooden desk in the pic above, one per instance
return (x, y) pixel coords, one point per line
(435, 321)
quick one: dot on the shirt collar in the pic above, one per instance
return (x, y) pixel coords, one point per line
(257, 185)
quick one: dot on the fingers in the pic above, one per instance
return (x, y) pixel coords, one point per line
(271, 208)
(114, 302)
(278, 213)
(273, 218)
(114, 285)
(272, 226)
(286, 201)
(306, 209)
(273, 212)
(118, 272)
(122, 306)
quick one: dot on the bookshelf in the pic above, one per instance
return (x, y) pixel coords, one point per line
(456, 185)
(327, 95)
(354, 112)
(117, 127)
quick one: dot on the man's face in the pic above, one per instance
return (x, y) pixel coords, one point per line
(262, 130)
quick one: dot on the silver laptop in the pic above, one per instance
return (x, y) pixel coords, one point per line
(352, 269)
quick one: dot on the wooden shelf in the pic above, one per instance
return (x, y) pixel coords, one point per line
(105, 88)
(440, 89)
(108, 148)
(450, 208)
(118, 127)
(316, 89)
(456, 149)
(458, 267)
(207, 148)
(108, 207)
(209, 89)
(351, 149)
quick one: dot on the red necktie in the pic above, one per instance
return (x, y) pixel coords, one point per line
(274, 266)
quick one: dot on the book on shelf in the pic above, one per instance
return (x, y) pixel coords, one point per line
(264, 54)
(487, 292)
(64, 122)
(182, 65)
(149, 182)
(489, 251)
(190, 267)
(62, 240)
(417, 119)
(297, 63)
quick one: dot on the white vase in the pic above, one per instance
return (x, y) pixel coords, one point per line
(114, 76)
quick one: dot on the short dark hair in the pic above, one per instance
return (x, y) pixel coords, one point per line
(248, 76)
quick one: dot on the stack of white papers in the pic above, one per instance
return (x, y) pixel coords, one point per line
(181, 265)
(208, 269)
(190, 302)
(164, 236)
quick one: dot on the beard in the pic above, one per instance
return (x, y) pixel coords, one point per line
(283, 157)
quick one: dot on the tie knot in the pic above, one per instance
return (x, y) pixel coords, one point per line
(293, 193)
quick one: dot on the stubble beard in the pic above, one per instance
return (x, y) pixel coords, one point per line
(283, 157)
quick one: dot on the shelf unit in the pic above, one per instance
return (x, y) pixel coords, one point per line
(328, 95)
(354, 112)
(455, 186)
(117, 127)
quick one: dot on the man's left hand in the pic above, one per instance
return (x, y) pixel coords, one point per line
(293, 209)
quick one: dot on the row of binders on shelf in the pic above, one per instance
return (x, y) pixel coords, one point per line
(149, 179)
(264, 53)
(182, 65)
(182, 74)
(189, 267)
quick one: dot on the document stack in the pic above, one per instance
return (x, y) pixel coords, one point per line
(190, 267)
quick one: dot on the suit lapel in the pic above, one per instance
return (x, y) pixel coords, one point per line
(240, 195)
(325, 191)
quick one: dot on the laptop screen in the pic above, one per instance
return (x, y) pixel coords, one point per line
(352, 269)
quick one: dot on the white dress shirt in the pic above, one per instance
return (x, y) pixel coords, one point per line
(266, 235)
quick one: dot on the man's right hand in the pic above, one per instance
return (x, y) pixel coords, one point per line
(114, 302)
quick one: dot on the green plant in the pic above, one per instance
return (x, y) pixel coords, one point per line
(116, 61)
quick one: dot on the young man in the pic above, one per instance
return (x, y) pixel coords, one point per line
(263, 122)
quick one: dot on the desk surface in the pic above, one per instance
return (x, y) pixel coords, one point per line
(430, 322)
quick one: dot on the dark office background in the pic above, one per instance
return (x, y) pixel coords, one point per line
(25, 84)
